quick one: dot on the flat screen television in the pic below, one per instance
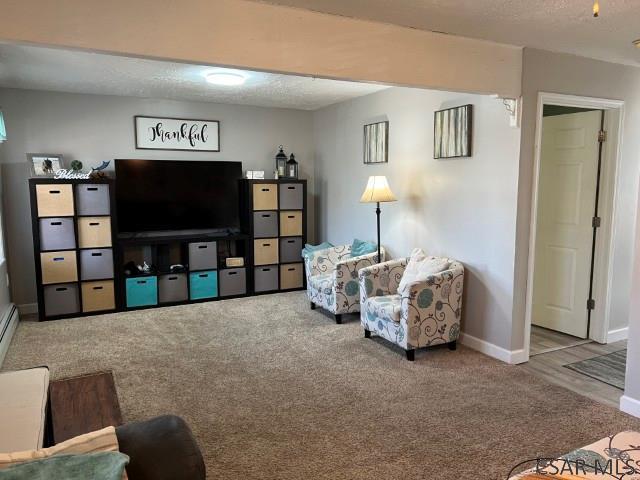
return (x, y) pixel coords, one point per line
(167, 195)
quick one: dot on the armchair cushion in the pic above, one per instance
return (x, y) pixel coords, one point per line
(309, 249)
(359, 248)
(387, 307)
(419, 268)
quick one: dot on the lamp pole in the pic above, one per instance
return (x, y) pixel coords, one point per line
(378, 219)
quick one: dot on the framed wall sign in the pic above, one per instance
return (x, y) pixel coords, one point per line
(161, 133)
(452, 132)
(376, 143)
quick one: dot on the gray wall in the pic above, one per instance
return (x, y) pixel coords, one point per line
(560, 73)
(93, 128)
(464, 208)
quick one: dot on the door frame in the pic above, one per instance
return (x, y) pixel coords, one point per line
(609, 181)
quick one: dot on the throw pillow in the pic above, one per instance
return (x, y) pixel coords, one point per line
(96, 466)
(104, 440)
(419, 268)
(309, 249)
(359, 247)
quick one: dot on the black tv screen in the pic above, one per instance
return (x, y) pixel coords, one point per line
(161, 195)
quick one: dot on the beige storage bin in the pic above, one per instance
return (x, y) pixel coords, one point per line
(94, 232)
(59, 267)
(265, 196)
(55, 200)
(265, 251)
(98, 296)
(290, 223)
(291, 276)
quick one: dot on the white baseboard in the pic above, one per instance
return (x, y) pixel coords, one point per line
(617, 335)
(512, 357)
(630, 405)
(28, 308)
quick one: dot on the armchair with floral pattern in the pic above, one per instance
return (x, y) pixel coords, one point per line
(332, 279)
(427, 314)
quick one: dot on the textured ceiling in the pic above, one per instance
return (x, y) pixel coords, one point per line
(557, 25)
(81, 72)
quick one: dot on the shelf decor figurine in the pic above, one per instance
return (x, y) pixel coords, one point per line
(292, 167)
(281, 163)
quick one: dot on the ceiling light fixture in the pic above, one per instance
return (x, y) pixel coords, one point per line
(596, 9)
(225, 78)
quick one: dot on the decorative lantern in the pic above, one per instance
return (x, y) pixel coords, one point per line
(292, 167)
(281, 163)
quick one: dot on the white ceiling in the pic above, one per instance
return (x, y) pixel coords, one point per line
(557, 25)
(81, 72)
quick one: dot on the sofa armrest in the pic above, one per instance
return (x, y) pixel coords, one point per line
(162, 448)
(381, 279)
(432, 309)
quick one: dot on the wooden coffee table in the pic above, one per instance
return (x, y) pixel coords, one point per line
(83, 404)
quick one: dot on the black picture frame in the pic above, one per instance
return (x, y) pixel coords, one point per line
(365, 150)
(466, 115)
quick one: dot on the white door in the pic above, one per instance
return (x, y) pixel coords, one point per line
(564, 230)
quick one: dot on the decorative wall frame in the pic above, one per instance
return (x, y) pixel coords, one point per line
(376, 143)
(453, 132)
(183, 134)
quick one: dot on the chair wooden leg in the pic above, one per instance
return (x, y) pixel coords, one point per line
(338, 317)
(312, 305)
(411, 355)
(367, 333)
(452, 345)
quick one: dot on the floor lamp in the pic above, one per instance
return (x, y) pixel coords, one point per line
(377, 191)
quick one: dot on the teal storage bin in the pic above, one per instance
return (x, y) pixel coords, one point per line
(142, 291)
(203, 284)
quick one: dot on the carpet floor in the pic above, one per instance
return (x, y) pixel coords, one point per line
(273, 390)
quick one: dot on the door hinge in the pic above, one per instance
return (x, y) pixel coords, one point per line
(591, 304)
(596, 222)
(602, 136)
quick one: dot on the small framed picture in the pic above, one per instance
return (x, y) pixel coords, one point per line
(376, 143)
(452, 132)
(45, 164)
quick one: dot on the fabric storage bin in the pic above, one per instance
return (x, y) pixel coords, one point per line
(291, 276)
(290, 250)
(290, 224)
(55, 200)
(265, 196)
(203, 284)
(203, 256)
(92, 199)
(61, 299)
(94, 232)
(173, 288)
(96, 264)
(265, 279)
(265, 251)
(58, 267)
(291, 196)
(232, 281)
(98, 296)
(142, 291)
(57, 233)
(265, 224)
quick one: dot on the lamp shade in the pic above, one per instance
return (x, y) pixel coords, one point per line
(377, 191)
(3, 130)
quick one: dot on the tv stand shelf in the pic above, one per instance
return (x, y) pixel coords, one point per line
(127, 239)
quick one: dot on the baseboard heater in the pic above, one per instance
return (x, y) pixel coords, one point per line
(8, 324)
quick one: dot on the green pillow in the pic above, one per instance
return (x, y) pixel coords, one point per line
(309, 249)
(358, 247)
(94, 466)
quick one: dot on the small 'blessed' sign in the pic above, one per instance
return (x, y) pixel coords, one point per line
(157, 133)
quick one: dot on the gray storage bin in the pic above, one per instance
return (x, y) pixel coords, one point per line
(266, 278)
(96, 264)
(291, 196)
(172, 288)
(92, 199)
(291, 250)
(265, 224)
(57, 234)
(62, 299)
(203, 256)
(232, 281)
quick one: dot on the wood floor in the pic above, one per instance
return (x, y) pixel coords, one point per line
(550, 366)
(544, 340)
